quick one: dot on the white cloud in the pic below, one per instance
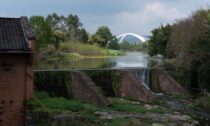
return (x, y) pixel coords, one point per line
(145, 19)
(160, 9)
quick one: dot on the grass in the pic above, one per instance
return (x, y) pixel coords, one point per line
(77, 51)
(43, 103)
(87, 50)
(60, 103)
(126, 107)
(158, 110)
(124, 122)
(204, 102)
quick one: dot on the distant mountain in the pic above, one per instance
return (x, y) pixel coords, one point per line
(132, 38)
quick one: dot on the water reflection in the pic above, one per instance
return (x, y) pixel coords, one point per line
(131, 59)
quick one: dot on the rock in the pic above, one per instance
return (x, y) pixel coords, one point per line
(157, 124)
(148, 107)
(176, 112)
(181, 117)
(195, 123)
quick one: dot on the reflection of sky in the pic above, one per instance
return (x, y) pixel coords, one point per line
(132, 59)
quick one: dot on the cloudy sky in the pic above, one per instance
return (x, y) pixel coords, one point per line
(138, 16)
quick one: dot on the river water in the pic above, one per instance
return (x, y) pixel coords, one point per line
(129, 60)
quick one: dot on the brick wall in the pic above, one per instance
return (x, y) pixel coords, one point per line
(13, 81)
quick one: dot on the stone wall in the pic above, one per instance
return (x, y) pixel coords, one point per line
(132, 87)
(84, 89)
(168, 84)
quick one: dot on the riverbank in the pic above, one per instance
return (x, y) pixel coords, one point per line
(76, 51)
(164, 111)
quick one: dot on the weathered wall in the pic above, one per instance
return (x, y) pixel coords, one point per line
(16, 86)
(86, 90)
(103, 79)
(132, 87)
(168, 84)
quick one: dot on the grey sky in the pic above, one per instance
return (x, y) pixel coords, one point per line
(138, 16)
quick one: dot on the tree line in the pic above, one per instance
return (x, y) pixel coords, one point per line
(187, 42)
(55, 29)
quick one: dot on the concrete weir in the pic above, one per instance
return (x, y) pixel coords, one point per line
(133, 87)
(94, 86)
(84, 89)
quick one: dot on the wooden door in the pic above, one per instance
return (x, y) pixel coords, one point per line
(12, 91)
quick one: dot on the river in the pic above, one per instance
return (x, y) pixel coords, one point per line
(130, 59)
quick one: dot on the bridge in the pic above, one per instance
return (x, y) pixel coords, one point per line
(123, 36)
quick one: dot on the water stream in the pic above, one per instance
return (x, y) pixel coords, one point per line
(131, 59)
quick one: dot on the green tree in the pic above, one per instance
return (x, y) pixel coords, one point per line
(73, 25)
(42, 29)
(113, 44)
(159, 40)
(189, 45)
(59, 36)
(102, 36)
(57, 22)
(82, 35)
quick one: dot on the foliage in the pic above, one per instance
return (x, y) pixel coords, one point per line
(158, 42)
(56, 22)
(73, 26)
(204, 78)
(56, 28)
(88, 50)
(102, 36)
(42, 29)
(82, 35)
(187, 42)
(82, 49)
(191, 49)
(113, 44)
(204, 102)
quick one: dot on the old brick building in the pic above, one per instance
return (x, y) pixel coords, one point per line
(16, 73)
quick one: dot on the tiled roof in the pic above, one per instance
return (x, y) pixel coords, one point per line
(13, 35)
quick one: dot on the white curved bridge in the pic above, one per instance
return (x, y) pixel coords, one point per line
(122, 37)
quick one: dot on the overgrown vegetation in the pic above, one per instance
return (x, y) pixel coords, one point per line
(56, 83)
(55, 29)
(77, 51)
(204, 103)
(186, 43)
